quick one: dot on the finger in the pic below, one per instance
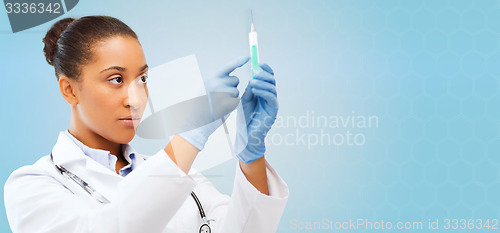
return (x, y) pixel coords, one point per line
(247, 95)
(234, 92)
(267, 68)
(269, 97)
(265, 76)
(233, 65)
(232, 81)
(259, 84)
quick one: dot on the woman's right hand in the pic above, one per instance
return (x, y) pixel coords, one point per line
(223, 98)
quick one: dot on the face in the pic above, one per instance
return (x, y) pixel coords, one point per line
(112, 92)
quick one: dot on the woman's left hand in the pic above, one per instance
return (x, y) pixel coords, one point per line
(259, 110)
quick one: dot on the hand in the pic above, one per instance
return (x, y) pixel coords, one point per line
(222, 99)
(259, 109)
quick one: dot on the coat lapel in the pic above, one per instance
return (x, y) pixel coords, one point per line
(67, 154)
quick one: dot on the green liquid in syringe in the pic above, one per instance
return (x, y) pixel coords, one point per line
(255, 60)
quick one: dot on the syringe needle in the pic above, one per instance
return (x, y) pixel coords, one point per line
(251, 15)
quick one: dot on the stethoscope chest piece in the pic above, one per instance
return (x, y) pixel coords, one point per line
(205, 228)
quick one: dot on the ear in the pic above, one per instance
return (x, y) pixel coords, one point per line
(69, 89)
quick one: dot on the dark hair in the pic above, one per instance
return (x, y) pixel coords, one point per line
(69, 42)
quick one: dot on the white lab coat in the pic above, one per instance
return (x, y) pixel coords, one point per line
(154, 197)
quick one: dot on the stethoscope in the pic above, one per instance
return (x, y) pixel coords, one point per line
(204, 228)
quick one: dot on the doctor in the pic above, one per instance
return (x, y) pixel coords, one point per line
(94, 181)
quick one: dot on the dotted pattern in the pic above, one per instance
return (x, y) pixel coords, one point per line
(429, 70)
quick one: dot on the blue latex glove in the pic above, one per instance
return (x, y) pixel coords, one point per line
(259, 109)
(223, 97)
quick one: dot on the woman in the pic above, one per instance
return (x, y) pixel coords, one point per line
(94, 181)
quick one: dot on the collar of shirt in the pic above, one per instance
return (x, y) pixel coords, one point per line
(105, 158)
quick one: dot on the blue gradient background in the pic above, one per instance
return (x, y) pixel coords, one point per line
(428, 69)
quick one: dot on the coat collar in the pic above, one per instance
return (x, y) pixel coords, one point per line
(67, 154)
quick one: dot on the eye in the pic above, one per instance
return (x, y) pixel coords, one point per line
(143, 79)
(117, 80)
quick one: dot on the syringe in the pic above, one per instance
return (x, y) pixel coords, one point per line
(254, 47)
(254, 54)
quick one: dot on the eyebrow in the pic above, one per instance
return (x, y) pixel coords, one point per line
(144, 67)
(122, 69)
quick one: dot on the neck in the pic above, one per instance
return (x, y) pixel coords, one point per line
(95, 141)
(92, 139)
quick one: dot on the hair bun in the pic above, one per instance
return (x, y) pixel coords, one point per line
(50, 39)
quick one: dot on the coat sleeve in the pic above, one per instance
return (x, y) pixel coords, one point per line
(247, 210)
(146, 200)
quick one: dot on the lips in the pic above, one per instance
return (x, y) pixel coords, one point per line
(130, 120)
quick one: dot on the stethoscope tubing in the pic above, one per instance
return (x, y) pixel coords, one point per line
(100, 198)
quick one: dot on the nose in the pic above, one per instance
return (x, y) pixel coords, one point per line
(136, 96)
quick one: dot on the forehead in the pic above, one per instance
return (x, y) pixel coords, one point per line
(123, 51)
